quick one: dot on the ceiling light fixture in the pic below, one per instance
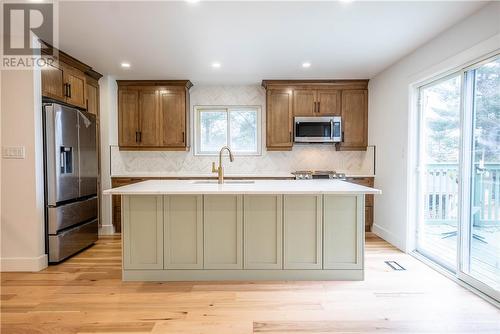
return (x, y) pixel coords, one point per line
(125, 65)
(306, 65)
(216, 65)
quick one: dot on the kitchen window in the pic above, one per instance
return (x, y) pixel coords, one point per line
(234, 126)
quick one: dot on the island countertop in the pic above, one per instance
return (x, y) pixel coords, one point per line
(179, 187)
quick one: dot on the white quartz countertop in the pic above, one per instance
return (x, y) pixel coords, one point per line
(187, 175)
(180, 187)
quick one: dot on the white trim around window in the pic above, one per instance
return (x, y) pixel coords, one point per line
(228, 109)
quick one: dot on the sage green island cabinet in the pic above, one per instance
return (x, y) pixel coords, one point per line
(183, 231)
(180, 230)
(303, 231)
(223, 232)
(343, 240)
(263, 228)
(142, 232)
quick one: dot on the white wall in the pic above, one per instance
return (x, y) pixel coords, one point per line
(22, 216)
(390, 121)
(109, 137)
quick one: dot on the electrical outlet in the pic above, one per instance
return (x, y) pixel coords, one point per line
(13, 152)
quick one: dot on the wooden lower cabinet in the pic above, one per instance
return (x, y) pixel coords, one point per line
(302, 231)
(183, 231)
(342, 222)
(263, 224)
(143, 232)
(223, 231)
(116, 201)
(367, 182)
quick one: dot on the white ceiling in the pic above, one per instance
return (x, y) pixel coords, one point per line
(251, 40)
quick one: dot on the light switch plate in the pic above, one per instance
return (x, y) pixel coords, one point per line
(13, 152)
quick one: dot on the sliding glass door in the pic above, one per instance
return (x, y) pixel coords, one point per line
(440, 143)
(480, 260)
(459, 174)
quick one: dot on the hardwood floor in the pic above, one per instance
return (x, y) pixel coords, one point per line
(86, 295)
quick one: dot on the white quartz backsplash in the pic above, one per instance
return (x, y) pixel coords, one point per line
(302, 157)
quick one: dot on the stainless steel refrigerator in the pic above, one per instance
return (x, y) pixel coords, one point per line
(70, 158)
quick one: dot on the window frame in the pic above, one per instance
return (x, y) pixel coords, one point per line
(198, 109)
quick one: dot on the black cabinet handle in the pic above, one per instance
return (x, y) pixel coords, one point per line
(319, 106)
(291, 139)
(342, 136)
(69, 90)
(183, 137)
(137, 136)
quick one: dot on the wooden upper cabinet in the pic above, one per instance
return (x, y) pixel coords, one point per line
(304, 102)
(128, 118)
(153, 115)
(313, 98)
(279, 118)
(92, 96)
(354, 119)
(75, 85)
(173, 114)
(328, 102)
(149, 117)
(321, 102)
(53, 82)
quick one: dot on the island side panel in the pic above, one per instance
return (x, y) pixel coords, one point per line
(302, 231)
(343, 232)
(263, 231)
(223, 231)
(142, 232)
(183, 231)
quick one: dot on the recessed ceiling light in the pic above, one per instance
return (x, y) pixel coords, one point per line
(306, 65)
(125, 65)
(216, 65)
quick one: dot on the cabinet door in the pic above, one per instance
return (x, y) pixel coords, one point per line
(149, 117)
(302, 231)
(76, 82)
(304, 102)
(92, 99)
(128, 118)
(173, 114)
(53, 82)
(343, 232)
(222, 228)
(183, 227)
(329, 102)
(354, 119)
(262, 221)
(279, 119)
(143, 231)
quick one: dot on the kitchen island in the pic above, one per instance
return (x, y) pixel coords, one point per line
(188, 230)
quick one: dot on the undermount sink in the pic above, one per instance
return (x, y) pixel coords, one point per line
(225, 182)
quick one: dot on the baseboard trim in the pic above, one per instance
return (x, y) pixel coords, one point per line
(30, 264)
(388, 236)
(106, 230)
(241, 275)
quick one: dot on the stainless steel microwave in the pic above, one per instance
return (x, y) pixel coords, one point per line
(318, 129)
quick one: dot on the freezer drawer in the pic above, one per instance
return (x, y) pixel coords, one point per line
(71, 241)
(61, 217)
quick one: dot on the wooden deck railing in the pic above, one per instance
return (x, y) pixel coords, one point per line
(441, 194)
